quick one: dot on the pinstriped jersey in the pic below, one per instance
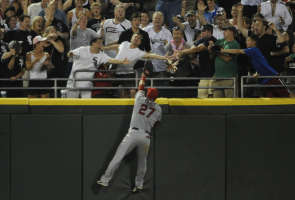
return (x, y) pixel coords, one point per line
(112, 31)
(145, 112)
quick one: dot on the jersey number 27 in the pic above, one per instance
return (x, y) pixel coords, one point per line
(143, 110)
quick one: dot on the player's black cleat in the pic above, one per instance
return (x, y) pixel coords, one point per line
(137, 189)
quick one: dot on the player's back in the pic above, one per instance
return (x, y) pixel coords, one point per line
(145, 113)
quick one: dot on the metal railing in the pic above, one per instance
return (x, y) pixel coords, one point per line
(245, 79)
(151, 83)
(56, 88)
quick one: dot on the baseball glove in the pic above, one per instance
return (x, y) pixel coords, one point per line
(172, 66)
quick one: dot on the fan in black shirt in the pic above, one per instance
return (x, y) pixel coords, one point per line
(13, 68)
(95, 21)
(22, 34)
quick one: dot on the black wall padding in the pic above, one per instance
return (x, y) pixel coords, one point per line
(46, 157)
(206, 153)
(190, 158)
(4, 156)
(261, 157)
(102, 135)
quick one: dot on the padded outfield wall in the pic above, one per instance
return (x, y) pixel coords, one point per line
(227, 149)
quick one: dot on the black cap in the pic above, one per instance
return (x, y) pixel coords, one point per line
(231, 28)
(190, 13)
(95, 39)
(207, 27)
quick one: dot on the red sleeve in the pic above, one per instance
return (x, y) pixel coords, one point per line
(141, 83)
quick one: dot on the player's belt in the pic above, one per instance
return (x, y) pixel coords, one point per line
(135, 128)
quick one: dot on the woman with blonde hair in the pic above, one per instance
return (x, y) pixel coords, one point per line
(38, 24)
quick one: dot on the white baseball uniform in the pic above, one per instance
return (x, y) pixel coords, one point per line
(145, 114)
(84, 59)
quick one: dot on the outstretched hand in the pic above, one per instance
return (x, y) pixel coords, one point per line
(272, 25)
(172, 66)
(146, 72)
(125, 62)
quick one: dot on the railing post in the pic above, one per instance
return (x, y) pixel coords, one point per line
(136, 78)
(242, 87)
(235, 87)
(55, 88)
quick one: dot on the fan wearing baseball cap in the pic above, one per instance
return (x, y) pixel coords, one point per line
(262, 67)
(38, 39)
(225, 64)
(191, 27)
(38, 62)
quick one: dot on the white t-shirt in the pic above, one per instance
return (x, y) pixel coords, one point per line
(158, 43)
(84, 59)
(145, 113)
(37, 72)
(281, 11)
(251, 2)
(218, 33)
(34, 9)
(133, 55)
(112, 32)
(190, 33)
(150, 24)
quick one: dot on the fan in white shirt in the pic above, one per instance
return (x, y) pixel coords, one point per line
(219, 22)
(190, 28)
(87, 58)
(131, 52)
(159, 37)
(112, 28)
(276, 12)
(35, 8)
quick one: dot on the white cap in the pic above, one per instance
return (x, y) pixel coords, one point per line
(38, 38)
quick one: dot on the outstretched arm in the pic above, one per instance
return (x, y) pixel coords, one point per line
(154, 56)
(111, 47)
(119, 62)
(233, 51)
(193, 49)
(141, 82)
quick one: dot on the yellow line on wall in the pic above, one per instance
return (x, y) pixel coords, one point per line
(163, 101)
(14, 101)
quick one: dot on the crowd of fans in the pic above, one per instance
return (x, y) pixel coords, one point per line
(38, 38)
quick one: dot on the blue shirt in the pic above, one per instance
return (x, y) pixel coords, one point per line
(209, 16)
(59, 14)
(259, 63)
